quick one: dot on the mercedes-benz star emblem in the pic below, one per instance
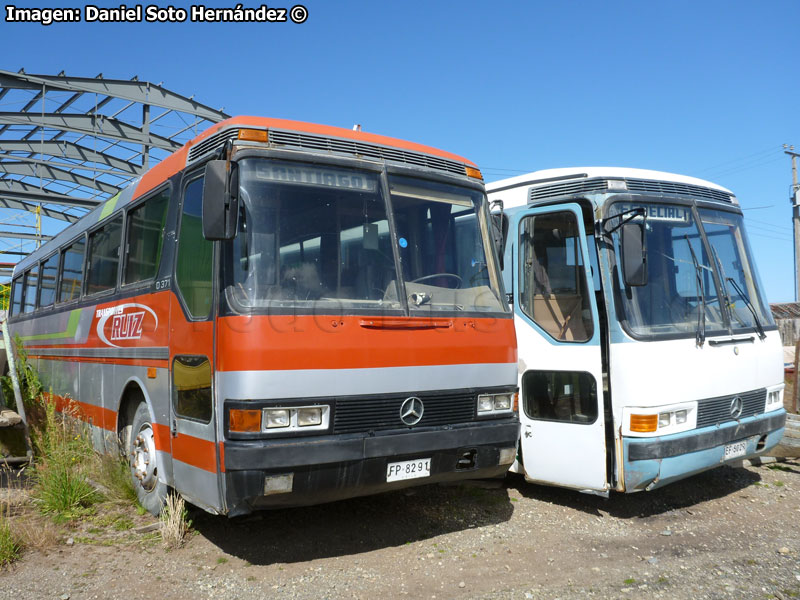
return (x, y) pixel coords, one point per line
(736, 407)
(411, 411)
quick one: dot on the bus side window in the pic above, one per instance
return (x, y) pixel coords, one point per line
(103, 257)
(31, 280)
(49, 273)
(191, 387)
(71, 272)
(195, 253)
(553, 281)
(16, 296)
(145, 238)
(560, 396)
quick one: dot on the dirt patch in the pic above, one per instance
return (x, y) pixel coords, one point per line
(728, 533)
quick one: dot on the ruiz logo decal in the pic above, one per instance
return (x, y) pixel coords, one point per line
(125, 324)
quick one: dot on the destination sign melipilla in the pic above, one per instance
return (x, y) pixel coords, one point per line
(661, 212)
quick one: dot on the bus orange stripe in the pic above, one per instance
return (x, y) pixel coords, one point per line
(91, 413)
(195, 451)
(133, 362)
(185, 448)
(307, 342)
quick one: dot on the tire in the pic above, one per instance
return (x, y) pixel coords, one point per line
(145, 464)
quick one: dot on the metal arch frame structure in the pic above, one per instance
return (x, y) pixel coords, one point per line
(73, 143)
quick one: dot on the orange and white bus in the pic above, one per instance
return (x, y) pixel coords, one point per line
(281, 314)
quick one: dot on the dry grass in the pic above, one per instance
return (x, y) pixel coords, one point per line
(788, 392)
(174, 523)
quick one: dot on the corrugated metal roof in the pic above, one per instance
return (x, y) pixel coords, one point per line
(786, 310)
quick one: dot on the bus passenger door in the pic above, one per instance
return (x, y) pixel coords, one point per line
(558, 334)
(195, 456)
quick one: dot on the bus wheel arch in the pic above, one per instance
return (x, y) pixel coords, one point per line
(131, 397)
(136, 428)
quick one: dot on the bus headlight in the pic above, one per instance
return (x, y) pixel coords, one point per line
(267, 421)
(491, 404)
(502, 402)
(774, 399)
(485, 403)
(276, 417)
(293, 418)
(308, 417)
(659, 420)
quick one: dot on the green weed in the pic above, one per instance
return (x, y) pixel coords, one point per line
(114, 473)
(123, 524)
(29, 383)
(780, 468)
(61, 485)
(9, 544)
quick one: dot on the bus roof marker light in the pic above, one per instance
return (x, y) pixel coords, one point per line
(617, 184)
(254, 135)
(474, 173)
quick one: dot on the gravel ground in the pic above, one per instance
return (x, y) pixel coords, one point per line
(728, 533)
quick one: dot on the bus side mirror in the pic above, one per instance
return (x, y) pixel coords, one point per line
(634, 254)
(499, 226)
(220, 200)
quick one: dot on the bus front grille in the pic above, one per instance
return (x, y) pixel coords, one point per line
(715, 411)
(371, 413)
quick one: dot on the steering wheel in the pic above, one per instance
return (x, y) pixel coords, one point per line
(452, 276)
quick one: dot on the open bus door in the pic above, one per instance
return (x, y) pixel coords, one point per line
(558, 333)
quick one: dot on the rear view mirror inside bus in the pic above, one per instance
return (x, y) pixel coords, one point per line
(634, 254)
(220, 200)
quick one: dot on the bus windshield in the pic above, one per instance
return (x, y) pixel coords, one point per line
(733, 259)
(314, 238)
(693, 288)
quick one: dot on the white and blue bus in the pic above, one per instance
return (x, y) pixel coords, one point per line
(647, 351)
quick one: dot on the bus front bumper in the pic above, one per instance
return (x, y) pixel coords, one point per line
(298, 472)
(654, 462)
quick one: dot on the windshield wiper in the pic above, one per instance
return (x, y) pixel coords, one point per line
(700, 336)
(728, 301)
(750, 306)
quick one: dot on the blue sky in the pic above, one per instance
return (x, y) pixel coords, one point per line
(702, 88)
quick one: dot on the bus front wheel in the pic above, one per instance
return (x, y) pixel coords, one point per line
(144, 462)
